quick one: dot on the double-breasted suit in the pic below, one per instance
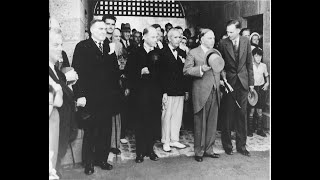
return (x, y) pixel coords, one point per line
(206, 99)
(99, 83)
(239, 74)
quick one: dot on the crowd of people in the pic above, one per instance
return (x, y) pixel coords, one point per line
(154, 83)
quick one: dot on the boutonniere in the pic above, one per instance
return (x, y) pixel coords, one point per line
(182, 59)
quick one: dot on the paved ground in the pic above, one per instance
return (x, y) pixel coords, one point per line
(179, 164)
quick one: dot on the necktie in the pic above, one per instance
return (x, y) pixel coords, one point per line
(100, 47)
(235, 45)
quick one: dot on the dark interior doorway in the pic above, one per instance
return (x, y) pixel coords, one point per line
(255, 23)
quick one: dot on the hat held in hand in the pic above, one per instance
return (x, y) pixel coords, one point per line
(253, 97)
(214, 60)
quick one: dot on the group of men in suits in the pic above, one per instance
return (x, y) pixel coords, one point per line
(158, 87)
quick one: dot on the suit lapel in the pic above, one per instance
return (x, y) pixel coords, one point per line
(201, 53)
(229, 48)
(241, 52)
(95, 47)
(169, 52)
(53, 76)
(242, 47)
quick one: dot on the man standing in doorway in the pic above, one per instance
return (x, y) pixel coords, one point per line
(236, 52)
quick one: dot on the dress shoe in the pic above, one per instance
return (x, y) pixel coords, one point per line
(139, 158)
(166, 148)
(214, 155)
(104, 165)
(198, 158)
(115, 151)
(229, 151)
(153, 156)
(89, 169)
(250, 134)
(243, 152)
(177, 145)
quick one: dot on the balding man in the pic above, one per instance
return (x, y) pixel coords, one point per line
(97, 91)
(174, 88)
(205, 95)
(145, 89)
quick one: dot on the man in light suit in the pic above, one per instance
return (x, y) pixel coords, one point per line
(236, 52)
(205, 96)
(97, 91)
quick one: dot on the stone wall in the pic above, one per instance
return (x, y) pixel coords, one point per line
(73, 18)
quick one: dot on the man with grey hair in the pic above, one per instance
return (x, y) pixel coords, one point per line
(144, 85)
(174, 87)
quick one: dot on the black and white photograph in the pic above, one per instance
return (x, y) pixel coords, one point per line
(159, 89)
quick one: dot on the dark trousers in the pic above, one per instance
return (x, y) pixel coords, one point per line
(237, 117)
(148, 120)
(97, 137)
(124, 118)
(205, 126)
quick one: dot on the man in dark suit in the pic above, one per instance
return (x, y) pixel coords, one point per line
(236, 52)
(67, 110)
(97, 91)
(145, 90)
(174, 87)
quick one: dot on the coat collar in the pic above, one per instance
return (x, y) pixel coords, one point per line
(229, 47)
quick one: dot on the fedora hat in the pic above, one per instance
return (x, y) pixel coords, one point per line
(253, 97)
(214, 60)
(125, 27)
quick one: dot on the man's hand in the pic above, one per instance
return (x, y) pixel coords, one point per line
(251, 88)
(265, 86)
(222, 83)
(186, 97)
(205, 68)
(71, 75)
(145, 70)
(81, 101)
(126, 92)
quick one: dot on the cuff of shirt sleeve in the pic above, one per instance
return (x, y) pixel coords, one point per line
(201, 73)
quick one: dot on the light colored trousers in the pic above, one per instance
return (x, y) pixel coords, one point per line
(171, 119)
(54, 121)
(116, 125)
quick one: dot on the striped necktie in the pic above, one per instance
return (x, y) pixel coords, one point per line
(100, 47)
